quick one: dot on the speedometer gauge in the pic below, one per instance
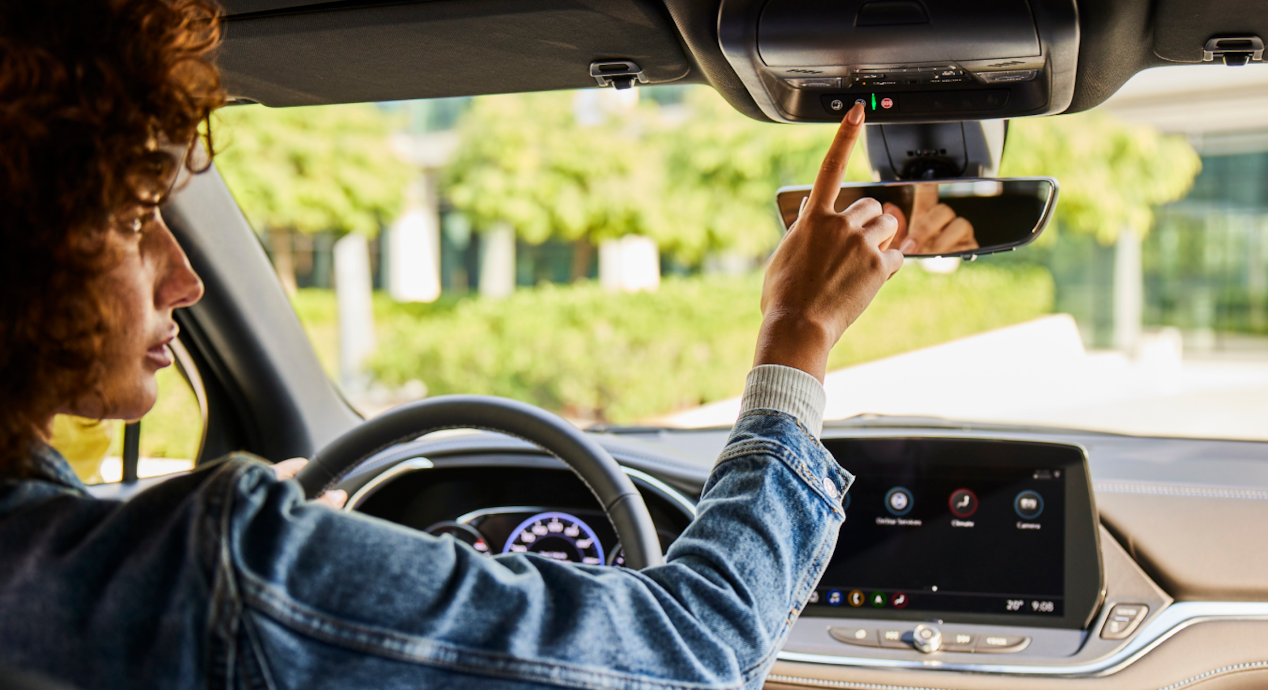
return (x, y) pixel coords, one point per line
(560, 536)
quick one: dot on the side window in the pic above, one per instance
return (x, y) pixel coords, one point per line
(165, 440)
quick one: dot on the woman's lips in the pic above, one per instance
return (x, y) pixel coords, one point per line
(159, 356)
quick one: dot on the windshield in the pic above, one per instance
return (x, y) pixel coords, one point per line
(599, 253)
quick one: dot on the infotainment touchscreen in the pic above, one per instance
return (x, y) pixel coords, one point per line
(958, 528)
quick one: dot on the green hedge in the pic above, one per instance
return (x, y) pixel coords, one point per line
(623, 357)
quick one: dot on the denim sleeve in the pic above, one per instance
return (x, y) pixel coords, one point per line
(308, 597)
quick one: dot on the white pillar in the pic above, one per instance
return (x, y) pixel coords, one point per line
(497, 261)
(629, 264)
(356, 309)
(413, 257)
(1129, 291)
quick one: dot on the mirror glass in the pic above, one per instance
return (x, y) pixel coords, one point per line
(963, 217)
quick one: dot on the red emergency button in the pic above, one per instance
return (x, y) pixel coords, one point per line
(887, 103)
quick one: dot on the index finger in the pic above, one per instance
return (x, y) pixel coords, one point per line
(828, 183)
(926, 198)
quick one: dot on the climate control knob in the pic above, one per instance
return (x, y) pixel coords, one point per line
(926, 638)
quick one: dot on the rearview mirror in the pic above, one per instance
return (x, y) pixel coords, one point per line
(951, 217)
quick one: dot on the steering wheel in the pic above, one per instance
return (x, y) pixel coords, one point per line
(598, 471)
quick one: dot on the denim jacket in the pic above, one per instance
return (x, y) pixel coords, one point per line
(228, 578)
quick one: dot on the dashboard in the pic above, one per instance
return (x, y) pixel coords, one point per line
(499, 508)
(1022, 557)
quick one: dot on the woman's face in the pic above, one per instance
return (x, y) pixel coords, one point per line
(150, 278)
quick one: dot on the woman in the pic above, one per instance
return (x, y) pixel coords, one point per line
(227, 576)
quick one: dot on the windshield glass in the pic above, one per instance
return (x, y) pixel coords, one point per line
(599, 253)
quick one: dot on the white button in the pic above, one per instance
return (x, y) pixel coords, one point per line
(829, 487)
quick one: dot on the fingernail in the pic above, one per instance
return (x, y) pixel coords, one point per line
(908, 245)
(855, 116)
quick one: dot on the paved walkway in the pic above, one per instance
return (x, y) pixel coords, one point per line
(1039, 373)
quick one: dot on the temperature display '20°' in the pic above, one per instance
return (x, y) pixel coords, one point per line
(560, 536)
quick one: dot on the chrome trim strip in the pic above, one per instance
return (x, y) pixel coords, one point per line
(410, 465)
(185, 366)
(1170, 621)
(466, 518)
(677, 497)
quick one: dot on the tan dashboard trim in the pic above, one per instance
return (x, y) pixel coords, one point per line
(1180, 490)
(1172, 620)
(851, 685)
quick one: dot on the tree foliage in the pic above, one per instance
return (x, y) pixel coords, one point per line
(312, 169)
(523, 159)
(1112, 174)
(697, 176)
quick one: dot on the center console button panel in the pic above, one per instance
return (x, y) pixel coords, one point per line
(929, 639)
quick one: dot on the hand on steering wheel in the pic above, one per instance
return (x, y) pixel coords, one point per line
(287, 469)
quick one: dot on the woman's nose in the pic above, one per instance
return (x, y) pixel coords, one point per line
(178, 286)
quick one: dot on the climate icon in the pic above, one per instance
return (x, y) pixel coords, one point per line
(963, 503)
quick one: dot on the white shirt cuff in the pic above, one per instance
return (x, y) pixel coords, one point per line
(788, 390)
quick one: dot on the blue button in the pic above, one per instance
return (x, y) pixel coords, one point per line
(1028, 504)
(898, 501)
(834, 597)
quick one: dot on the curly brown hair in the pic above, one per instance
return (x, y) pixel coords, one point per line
(93, 96)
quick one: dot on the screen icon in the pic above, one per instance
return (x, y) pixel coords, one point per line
(855, 598)
(814, 596)
(898, 501)
(834, 597)
(1028, 504)
(899, 600)
(878, 599)
(963, 503)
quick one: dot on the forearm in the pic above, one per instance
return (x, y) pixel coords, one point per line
(766, 527)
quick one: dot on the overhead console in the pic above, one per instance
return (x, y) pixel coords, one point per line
(906, 60)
